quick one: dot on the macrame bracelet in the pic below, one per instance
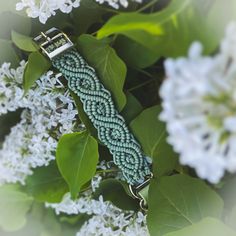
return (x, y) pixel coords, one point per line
(99, 107)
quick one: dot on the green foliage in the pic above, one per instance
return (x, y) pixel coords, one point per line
(77, 157)
(23, 42)
(37, 65)
(206, 227)
(150, 23)
(113, 190)
(127, 50)
(7, 53)
(110, 68)
(83, 117)
(46, 184)
(151, 133)
(179, 201)
(86, 15)
(14, 204)
(181, 22)
(7, 121)
(132, 108)
(148, 129)
(135, 54)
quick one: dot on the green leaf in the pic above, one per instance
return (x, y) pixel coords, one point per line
(23, 42)
(135, 54)
(148, 129)
(112, 190)
(14, 205)
(75, 220)
(37, 65)
(7, 53)
(86, 15)
(181, 22)
(150, 23)
(77, 158)
(132, 108)
(179, 201)
(206, 227)
(83, 116)
(46, 184)
(110, 68)
(7, 121)
(151, 133)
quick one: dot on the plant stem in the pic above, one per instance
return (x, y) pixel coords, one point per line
(141, 85)
(145, 73)
(107, 171)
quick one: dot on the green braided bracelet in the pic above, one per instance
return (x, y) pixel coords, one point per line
(99, 107)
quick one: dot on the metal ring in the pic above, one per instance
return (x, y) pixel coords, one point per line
(143, 205)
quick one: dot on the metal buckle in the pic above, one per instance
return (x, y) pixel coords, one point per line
(140, 192)
(53, 42)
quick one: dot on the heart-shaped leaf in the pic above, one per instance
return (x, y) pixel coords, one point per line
(46, 184)
(77, 158)
(37, 65)
(179, 201)
(23, 42)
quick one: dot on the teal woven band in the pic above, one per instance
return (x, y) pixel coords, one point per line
(99, 107)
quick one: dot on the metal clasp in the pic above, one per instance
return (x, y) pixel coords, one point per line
(53, 42)
(140, 192)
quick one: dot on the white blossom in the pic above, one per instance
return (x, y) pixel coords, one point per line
(44, 9)
(199, 97)
(48, 112)
(11, 94)
(117, 3)
(106, 218)
(95, 182)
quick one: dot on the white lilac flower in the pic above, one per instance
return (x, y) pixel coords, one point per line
(48, 112)
(95, 182)
(44, 9)
(106, 218)
(11, 95)
(117, 3)
(199, 106)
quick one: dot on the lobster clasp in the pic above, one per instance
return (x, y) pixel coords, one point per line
(140, 192)
(53, 42)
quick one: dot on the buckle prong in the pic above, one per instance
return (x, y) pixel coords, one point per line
(45, 36)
